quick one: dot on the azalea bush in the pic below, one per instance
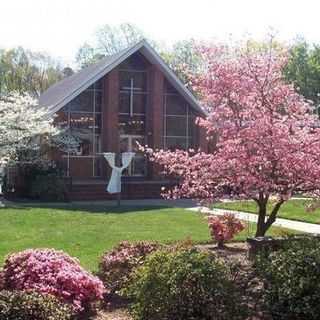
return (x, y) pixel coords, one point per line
(224, 228)
(183, 284)
(20, 305)
(116, 265)
(52, 272)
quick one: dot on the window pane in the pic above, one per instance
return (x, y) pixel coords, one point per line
(82, 127)
(98, 102)
(124, 103)
(176, 126)
(131, 125)
(62, 118)
(135, 62)
(124, 144)
(86, 146)
(169, 88)
(138, 166)
(193, 127)
(139, 80)
(83, 121)
(176, 143)
(175, 105)
(135, 144)
(98, 144)
(98, 85)
(83, 102)
(139, 103)
(98, 123)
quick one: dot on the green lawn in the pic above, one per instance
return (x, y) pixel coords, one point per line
(87, 231)
(293, 209)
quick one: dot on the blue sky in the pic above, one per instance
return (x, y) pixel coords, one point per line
(61, 26)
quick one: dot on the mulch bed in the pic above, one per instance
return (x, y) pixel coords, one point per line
(243, 274)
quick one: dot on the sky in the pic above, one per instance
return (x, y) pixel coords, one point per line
(59, 27)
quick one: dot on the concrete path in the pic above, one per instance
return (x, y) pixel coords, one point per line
(284, 223)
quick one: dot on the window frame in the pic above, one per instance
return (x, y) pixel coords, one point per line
(188, 116)
(133, 91)
(96, 148)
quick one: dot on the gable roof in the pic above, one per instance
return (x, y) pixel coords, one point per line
(59, 94)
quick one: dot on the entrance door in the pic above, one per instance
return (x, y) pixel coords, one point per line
(129, 143)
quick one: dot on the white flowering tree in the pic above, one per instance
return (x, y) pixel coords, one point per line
(25, 126)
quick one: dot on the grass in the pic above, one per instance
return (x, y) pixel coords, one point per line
(87, 231)
(293, 209)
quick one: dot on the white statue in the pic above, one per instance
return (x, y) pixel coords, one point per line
(114, 185)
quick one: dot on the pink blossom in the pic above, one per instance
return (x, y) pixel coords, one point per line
(264, 136)
(52, 272)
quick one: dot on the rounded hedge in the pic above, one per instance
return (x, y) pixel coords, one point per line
(20, 305)
(52, 272)
(117, 264)
(183, 284)
(292, 282)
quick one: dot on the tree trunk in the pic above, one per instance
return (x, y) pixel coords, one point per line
(220, 244)
(261, 230)
(264, 224)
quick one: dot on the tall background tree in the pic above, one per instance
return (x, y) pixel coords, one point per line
(107, 41)
(303, 69)
(184, 59)
(25, 71)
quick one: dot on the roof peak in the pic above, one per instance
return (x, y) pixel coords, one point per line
(58, 95)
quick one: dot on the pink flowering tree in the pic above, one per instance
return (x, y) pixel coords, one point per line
(264, 136)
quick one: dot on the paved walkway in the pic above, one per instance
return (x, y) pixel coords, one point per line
(284, 223)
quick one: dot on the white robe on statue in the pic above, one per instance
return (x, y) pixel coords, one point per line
(114, 185)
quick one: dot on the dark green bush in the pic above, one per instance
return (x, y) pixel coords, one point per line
(292, 281)
(19, 305)
(50, 187)
(183, 284)
(42, 180)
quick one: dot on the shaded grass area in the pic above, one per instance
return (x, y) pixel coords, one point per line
(293, 209)
(87, 231)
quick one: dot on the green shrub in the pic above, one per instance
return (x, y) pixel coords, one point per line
(42, 180)
(292, 281)
(19, 305)
(183, 284)
(117, 264)
(50, 187)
